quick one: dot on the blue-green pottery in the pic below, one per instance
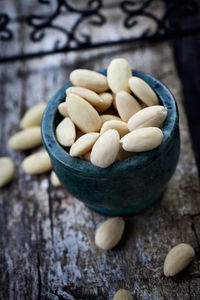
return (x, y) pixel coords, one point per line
(128, 186)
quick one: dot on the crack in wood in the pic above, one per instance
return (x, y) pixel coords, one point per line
(81, 294)
(50, 212)
(197, 250)
(189, 291)
(192, 215)
(39, 276)
(60, 297)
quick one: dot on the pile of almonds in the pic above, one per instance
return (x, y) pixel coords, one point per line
(105, 119)
(28, 138)
(109, 118)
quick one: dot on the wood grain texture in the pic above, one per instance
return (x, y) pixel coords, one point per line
(47, 248)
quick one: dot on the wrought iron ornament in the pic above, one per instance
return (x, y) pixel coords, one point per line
(67, 36)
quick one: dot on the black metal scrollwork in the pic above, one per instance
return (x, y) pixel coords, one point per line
(41, 23)
(163, 27)
(132, 12)
(5, 32)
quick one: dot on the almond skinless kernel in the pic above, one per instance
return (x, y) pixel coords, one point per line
(126, 105)
(152, 116)
(37, 163)
(109, 233)
(66, 132)
(143, 139)
(123, 295)
(178, 259)
(120, 126)
(25, 139)
(84, 144)
(143, 91)
(118, 74)
(7, 169)
(33, 116)
(106, 148)
(92, 97)
(83, 114)
(89, 79)
(54, 179)
(62, 108)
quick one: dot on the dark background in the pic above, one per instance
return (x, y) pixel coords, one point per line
(187, 57)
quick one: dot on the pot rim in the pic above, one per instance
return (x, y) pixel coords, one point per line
(139, 161)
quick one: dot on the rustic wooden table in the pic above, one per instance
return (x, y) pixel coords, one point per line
(47, 248)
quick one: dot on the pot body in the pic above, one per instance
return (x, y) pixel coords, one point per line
(127, 192)
(127, 186)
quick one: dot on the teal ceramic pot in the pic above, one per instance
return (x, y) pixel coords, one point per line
(128, 186)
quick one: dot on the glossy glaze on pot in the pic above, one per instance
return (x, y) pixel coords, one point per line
(127, 186)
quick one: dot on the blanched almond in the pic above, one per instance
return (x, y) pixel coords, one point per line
(118, 74)
(33, 116)
(126, 105)
(106, 148)
(143, 139)
(83, 144)
(66, 132)
(109, 233)
(54, 179)
(108, 117)
(178, 259)
(106, 102)
(123, 295)
(25, 139)
(7, 169)
(62, 108)
(89, 79)
(143, 91)
(120, 126)
(37, 163)
(153, 116)
(83, 114)
(92, 97)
